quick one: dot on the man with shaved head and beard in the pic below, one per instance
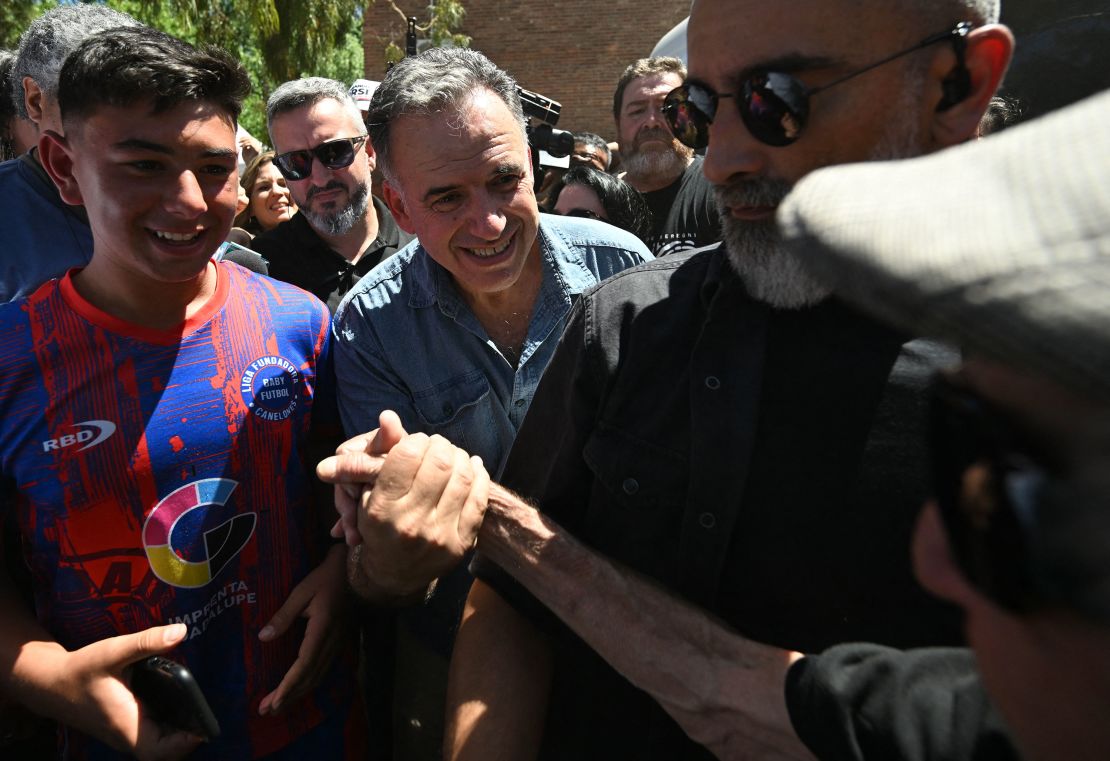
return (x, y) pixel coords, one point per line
(716, 421)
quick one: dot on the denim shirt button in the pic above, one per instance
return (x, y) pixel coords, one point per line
(630, 486)
(519, 402)
(712, 382)
(707, 520)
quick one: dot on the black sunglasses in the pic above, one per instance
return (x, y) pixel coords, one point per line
(334, 154)
(774, 105)
(988, 479)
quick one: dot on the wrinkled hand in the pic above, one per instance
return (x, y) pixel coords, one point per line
(93, 687)
(423, 514)
(321, 599)
(420, 518)
(353, 469)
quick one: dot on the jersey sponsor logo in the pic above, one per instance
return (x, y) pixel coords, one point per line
(90, 433)
(269, 387)
(226, 597)
(183, 546)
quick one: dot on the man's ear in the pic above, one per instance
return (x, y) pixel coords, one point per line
(371, 155)
(962, 94)
(33, 100)
(396, 203)
(54, 154)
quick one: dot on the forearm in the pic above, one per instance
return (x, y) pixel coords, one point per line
(725, 691)
(30, 659)
(33, 676)
(86, 688)
(499, 682)
(371, 585)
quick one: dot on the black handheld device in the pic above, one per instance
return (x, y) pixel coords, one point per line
(169, 692)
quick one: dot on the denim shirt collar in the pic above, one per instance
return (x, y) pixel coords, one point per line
(565, 276)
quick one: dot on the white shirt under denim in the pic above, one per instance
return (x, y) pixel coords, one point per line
(406, 340)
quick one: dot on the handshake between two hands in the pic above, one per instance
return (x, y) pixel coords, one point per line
(413, 502)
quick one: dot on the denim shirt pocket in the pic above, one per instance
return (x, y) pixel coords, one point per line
(458, 409)
(638, 500)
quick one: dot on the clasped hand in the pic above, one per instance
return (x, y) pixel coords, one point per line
(409, 504)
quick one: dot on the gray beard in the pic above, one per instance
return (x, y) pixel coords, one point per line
(652, 166)
(341, 222)
(771, 273)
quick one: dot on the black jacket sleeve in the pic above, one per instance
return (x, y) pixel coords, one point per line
(867, 702)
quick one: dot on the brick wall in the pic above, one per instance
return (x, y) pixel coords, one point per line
(570, 50)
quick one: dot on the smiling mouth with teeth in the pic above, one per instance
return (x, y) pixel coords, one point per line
(177, 237)
(485, 253)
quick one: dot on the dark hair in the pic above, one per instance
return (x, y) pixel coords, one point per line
(7, 107)
(124, 66)
(642, 68)
(298, 93)
(624, 206)
(597, 141)
(437, 79)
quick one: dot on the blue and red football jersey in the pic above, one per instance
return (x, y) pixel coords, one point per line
(163, 477)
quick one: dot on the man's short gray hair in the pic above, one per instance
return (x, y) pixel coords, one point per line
(53, 36)
(982, 11)
(309, 91)
(435, 80)
(978, 12)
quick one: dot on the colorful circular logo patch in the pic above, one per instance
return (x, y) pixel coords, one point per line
(269, 387)
(183, 546)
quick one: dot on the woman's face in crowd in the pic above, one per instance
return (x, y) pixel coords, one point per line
(270, 201)
(580, 201)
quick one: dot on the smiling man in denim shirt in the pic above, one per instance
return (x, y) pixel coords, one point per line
(454, 331)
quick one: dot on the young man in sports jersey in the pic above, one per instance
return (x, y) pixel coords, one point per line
(154, 429)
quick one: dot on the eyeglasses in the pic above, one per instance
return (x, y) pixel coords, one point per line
(334, 154)
(988, 480)
(774, 105)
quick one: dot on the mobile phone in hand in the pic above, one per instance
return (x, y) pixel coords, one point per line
(171, 695)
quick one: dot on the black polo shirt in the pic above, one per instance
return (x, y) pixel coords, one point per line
(299, 256)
